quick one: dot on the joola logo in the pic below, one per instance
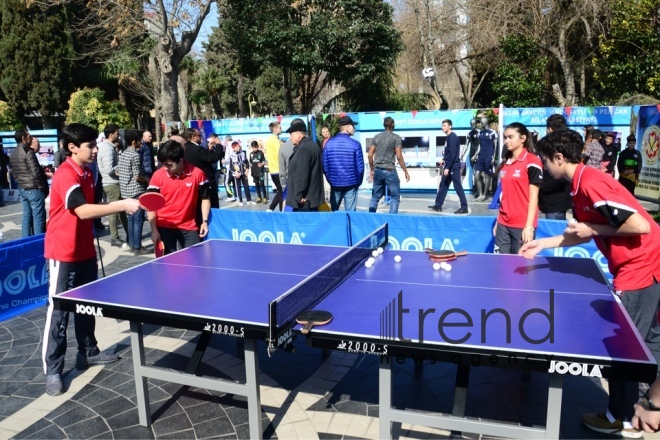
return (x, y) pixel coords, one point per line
(89, 310)
(575, 369)
(266, 236)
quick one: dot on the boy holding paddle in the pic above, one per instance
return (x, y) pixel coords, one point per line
(181, 184)
(69, 249)
(630, 240)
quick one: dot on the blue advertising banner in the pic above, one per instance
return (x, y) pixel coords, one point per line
(282, 227)
(648, 142)
(417, 232)
(605, 118)
(23, 276)
(223, 127)
(416, 120)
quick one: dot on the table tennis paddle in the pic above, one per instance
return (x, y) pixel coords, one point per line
(152, 201)
(159, 248)
(445, 255)
(310, 318)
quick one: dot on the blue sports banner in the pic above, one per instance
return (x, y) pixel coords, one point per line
(23, 276)
(417, 232)
(605, 118)
(280, 227)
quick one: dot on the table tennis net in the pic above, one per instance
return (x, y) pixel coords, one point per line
(283, 310)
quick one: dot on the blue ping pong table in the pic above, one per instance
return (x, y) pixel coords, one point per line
(550, 314)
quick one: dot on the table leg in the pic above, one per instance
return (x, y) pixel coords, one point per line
(141, 385)
(460, 393)
(385, 398)
(252, 384)
(553, 417)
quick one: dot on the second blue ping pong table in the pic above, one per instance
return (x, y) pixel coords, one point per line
(550, 314)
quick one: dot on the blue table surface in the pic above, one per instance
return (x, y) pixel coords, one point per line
(236, 280)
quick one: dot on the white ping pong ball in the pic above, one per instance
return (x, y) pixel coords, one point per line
(436, 266)
(375, 253)
(448, 267)
(572, 221)
(380, 250)
(371, 260)
(368, 264)
(397, 258)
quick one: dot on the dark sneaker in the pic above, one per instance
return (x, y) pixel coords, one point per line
(461, 211)
(435, 208)
(116, 242)
(141, 251)
(54, 384)
(83, 362)
(600, 423)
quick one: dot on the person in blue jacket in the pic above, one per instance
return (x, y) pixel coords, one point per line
(451, 171)
(343, 166)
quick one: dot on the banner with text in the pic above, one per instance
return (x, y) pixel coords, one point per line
(648, 142)
(23, 276)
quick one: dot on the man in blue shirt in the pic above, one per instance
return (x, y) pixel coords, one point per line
(451, 171)
(343, 165)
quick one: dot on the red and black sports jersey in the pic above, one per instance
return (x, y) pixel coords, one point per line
(598, 198)
(515, 177)
(68, 238)
(181, 194)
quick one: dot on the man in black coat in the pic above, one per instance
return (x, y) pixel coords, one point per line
(305, 172)
(205, 160)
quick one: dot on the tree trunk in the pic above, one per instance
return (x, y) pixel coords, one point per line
(241, 99)
(184, 105)
(288, 100)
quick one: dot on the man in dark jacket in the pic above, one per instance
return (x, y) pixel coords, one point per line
(451, 172)
(32, 184)
(305, 178)
(204, 159)
(630, 165)
(343, 165)
(555, 194)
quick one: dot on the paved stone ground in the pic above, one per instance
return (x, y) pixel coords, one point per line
(304, 395)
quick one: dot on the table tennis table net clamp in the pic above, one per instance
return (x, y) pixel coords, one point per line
(282, 311)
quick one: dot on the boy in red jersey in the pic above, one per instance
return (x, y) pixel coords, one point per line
(630, 240)
(69, 248)
(181, 184)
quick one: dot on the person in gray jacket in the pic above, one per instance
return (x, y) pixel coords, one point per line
(107, 160)
(32, 184)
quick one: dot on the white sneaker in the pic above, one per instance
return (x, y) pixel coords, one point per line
(251, 203)
(240, 203)
(231, 199)
(269, 210)
(125, 246)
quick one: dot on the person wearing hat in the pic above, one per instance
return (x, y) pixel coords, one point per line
(305, 173)
(630, 165)
(610, 153)
(343, 165)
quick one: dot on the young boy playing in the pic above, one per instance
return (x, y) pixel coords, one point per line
(69, 249)
(182, 185)
(257, 162)
(239, 165)
(630, 240)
